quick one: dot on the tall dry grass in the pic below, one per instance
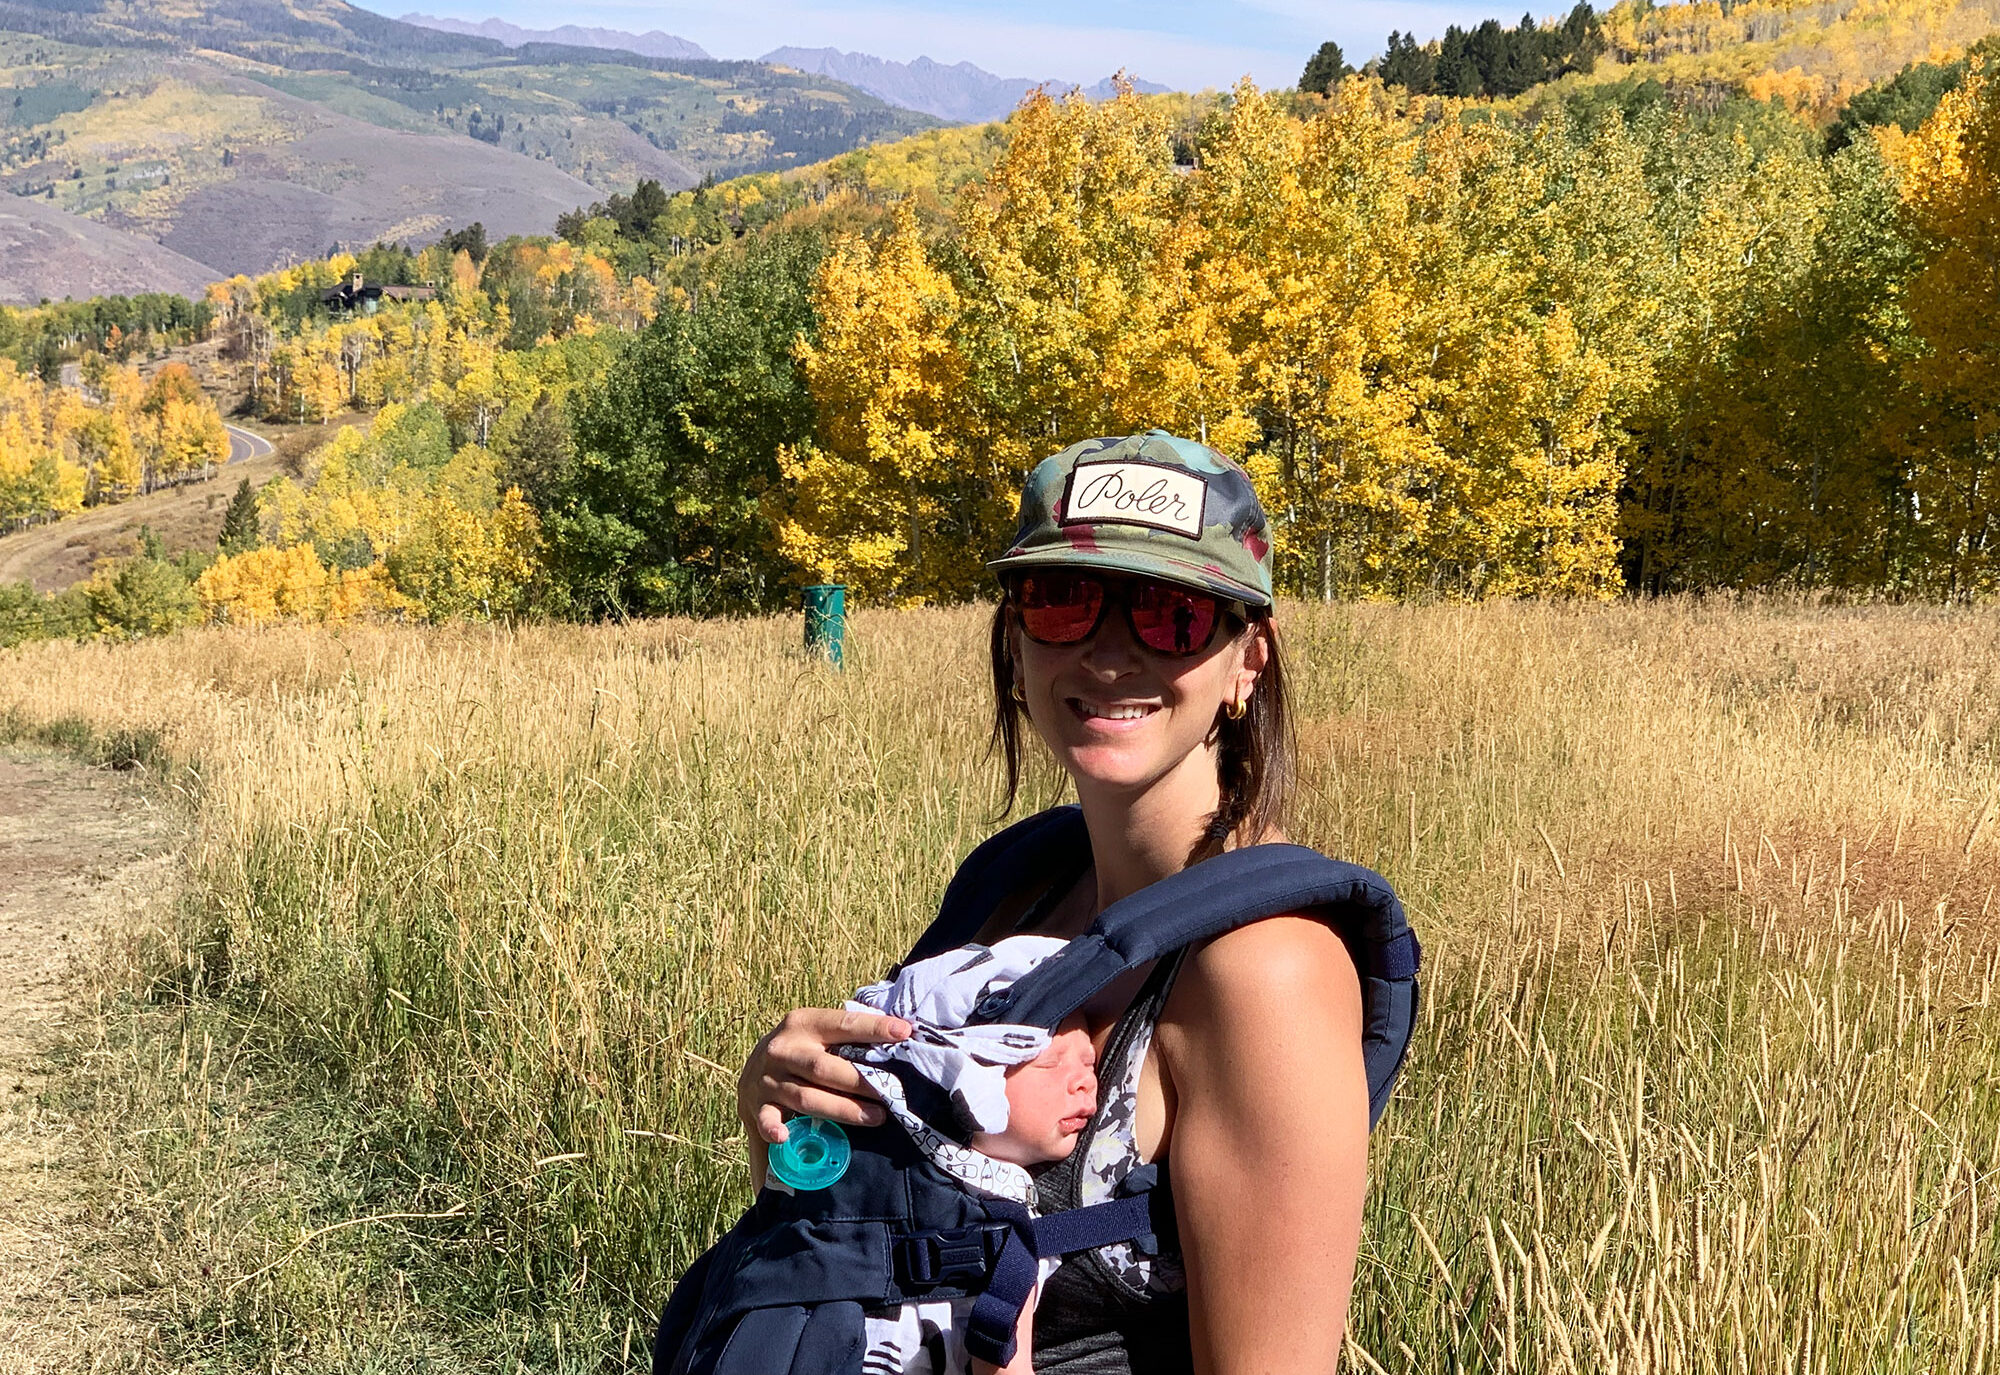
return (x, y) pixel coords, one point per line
(1706, 1077)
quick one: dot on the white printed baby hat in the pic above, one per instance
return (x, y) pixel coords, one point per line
(935, 996)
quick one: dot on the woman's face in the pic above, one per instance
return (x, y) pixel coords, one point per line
(1122, 717)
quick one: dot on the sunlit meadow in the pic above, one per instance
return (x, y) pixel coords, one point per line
(476, 925)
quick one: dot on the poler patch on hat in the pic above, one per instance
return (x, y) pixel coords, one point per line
(1150, 505)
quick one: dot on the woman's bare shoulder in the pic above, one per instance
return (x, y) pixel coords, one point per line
(1276, 991)
(1260, 969)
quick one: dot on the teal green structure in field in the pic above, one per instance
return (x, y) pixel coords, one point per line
(826, 621)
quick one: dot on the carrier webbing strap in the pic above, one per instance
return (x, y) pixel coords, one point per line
(1212, 897)
(1095, 1225)
(990, 1330)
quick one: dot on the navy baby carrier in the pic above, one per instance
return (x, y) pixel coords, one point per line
(784, 1291)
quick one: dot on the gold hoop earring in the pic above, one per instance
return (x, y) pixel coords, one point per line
(1235, 710)
(1020, 697)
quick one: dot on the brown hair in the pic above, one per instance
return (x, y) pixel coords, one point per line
(1254, 764)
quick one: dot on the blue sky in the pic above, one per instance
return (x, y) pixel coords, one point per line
(1175, 42)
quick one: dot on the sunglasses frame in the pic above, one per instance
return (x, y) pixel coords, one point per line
(1118, 585)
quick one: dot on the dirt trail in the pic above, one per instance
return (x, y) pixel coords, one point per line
(79, 847)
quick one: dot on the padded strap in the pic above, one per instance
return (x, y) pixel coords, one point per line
(835, 1339)
(1205, 900)
(994, 870)
(764, 1342)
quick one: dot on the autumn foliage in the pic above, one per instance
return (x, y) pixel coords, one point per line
(1560, 356)
(1565, 347)
(60, 447)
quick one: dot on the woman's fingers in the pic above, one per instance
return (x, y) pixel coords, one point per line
(795, 1097)
(794, 1070)
(827, 1026)
(871, 1029)
(801, 1049)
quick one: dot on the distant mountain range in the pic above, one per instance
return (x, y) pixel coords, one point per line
(649, 44)
(169, 143)
(961, 93)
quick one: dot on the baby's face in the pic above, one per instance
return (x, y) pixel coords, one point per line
(1050, 1100)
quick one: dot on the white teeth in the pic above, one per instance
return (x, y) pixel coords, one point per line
(1128, 713)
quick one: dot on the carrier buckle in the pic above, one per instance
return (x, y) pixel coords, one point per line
(960, 1256)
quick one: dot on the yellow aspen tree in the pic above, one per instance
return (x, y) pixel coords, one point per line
(268, 585)
(1316, 223)
(1951, 189)
(191, 437)
(464, 276)
(881, 500)
(459, 561)
(104, 446)
(319, 385)
(1066, 240)
(476, 396)
(1544, 499)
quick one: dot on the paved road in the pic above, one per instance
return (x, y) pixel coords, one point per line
(245, 445)
(65, 552)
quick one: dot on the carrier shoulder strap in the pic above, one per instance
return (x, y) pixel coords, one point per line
(1050, 840)
(1206, 899)
(1219, 895)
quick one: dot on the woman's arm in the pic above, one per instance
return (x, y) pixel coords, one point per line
(794, 1070)
(1262, 1041)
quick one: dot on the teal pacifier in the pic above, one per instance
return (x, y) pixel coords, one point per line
(813, 1155)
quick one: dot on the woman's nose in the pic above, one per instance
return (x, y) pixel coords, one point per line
(1112, 649)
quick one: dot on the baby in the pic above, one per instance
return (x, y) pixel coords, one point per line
(1023, 1093)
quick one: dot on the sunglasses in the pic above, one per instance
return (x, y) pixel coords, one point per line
(1065, 608)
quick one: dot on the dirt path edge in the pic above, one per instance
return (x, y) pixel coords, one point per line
(81, 850)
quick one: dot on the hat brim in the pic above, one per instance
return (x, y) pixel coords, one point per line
(1148, 565)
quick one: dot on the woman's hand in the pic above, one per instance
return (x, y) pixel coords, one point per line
(794, 1070)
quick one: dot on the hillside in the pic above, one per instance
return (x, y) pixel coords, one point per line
(240, 176)
(46, 253)
(586, 110)
(652, 43)
(1812, 58)
(239, 132)
(64, 553)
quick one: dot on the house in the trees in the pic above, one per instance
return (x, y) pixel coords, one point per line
(366, 297)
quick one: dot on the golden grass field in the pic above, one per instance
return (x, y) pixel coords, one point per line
(436, 1051)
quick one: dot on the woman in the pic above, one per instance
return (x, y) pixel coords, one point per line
(1135, 635)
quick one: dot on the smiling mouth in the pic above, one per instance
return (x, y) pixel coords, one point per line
(1104, 711)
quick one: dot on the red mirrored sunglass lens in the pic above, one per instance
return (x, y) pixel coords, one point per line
(1060, 610)
(1172, 620)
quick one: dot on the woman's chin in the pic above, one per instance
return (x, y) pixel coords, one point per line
(1113, 766)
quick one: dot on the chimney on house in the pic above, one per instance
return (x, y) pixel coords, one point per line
(357, 281)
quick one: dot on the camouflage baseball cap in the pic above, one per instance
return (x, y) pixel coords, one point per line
(1147, 504)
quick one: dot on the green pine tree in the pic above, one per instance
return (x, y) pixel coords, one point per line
(1325, 69)
(242, 530)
